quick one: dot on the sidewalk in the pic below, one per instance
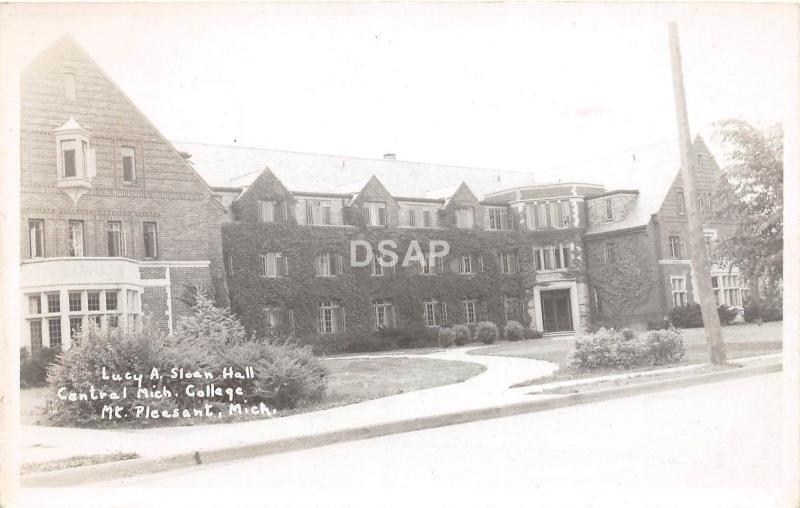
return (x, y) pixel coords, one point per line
(486, 390)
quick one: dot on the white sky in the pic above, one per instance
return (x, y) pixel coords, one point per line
(512, 86)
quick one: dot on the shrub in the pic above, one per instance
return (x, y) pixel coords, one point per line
(446, 337)
(764, 309)
(664, 347)
(532, 333)
(623, 349)
(514, 331)
(364, 343)
(486, 332)
(727, 314)
(658, 325)
(33, 367)
(688, 316)
(462, 334)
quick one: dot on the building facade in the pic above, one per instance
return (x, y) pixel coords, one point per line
(115, 225)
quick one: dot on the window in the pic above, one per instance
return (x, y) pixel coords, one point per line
(274, 264)
(75, 326)
(318, 212)
(566, 214)
(679, 298)
(279, 321)
(412, 218)
(710, 236)
(435, 313)
(465, 218)
(76, 238)
(608, 253)
(731, 290)
(229, 266)
(513, 308)
(380, 267)
(112, 320)
(609, 210)
(36, 334)
(427, 219)
(329, 264)
(69, 86)
(553, 257)
(374, 213)
(34, 304)
(470, 311)
(115, 243)
(111, 300)
(36, 236)
(718, 299)
(128, 164)
(596, 300)
(498, 218)
(331, 317)
(93, 300)
(508, 262)
(53, 302)
(431, 265)
(75, 304)
(54, 329)
(68, 149)
(465, 264)
(150, 240)
(675, 247)
(266, 211)
(547, 259)
(681, 203)
(383, 314)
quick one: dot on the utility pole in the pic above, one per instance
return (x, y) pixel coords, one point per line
(697, 244)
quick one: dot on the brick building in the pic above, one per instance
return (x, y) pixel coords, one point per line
(114, 223)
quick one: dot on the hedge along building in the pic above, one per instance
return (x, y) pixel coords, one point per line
(637, 245)
(291, 225)
(114, 223)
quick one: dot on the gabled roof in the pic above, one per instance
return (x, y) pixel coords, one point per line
(232, 166)
(650, 169)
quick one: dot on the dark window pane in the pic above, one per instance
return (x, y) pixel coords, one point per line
(69, 163)
(53, 302)
(127, 169)
(75, 302)
(54, 327)
(93, 300)
(111, 300)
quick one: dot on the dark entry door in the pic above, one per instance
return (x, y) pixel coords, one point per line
(556, 311)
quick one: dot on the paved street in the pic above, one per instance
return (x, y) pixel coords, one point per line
(712, 445)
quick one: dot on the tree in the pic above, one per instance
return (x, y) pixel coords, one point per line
(751, 193)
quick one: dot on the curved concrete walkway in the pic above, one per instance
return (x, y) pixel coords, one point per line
(487, 389)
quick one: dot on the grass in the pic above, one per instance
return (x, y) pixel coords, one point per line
(351, 381)
(740, 341)
(76, 461)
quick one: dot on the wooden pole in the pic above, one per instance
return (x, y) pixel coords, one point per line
(697, 244)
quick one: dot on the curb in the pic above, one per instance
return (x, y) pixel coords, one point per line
(128, 468)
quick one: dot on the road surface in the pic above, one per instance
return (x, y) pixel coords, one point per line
(710, 445)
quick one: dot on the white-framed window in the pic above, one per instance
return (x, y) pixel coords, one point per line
(150, 231)
(69, 86)
(596, 300)
(318, 212)
(116, 241)
(266, 210)
(609, 209)
(674, 247)
(35, 327)
(435, 312)
(76, 238)
(274, 264)
(75, 158)
(471, 311)
(508, 261)
(732, 291)
(465, 218)
(383, 314)
(378, 268)
(36, 237)
(69, 157)
(412, 217)
(128, 164)
(715, 287)
(553, 257)
(540, 212)
(374, 213)
(431, 265)
(565, 209)
(278, 321)
(679, 295)
(498, 218)
(331, 317)
(329, 264)
(465, 264)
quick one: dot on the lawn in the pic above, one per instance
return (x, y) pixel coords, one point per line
(351, 381)
(740, 341)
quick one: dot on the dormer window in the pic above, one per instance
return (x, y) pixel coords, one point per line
(465, 218)
(75, 161)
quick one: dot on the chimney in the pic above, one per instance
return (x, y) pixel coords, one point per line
(390, 156)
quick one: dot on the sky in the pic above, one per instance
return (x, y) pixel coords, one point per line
(525, 87)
